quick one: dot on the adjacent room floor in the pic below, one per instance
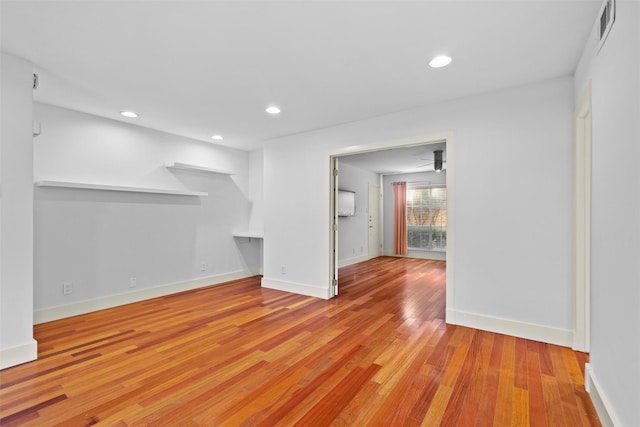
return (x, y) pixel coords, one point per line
(238, 354)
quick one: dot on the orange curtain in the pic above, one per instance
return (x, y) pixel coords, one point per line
(400, 246)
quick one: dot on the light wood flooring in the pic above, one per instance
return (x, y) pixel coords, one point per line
(237, 354)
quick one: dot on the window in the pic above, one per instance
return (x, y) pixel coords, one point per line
(427, 218)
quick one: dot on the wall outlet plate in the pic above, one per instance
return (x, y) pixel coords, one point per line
(67, 288)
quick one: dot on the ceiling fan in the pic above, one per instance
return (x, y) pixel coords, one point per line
(438, 161)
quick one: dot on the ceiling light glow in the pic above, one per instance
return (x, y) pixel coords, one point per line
(440, 61)
(131, 114)
(272, 109)
(217, 137)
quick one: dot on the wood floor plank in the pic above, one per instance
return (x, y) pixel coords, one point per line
(238, 354)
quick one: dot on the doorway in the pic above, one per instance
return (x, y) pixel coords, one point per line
(389, 146)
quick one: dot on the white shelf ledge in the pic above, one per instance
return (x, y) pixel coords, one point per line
(189, 167)
(249, 235)
(85, 186)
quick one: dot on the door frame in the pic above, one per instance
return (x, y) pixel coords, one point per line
(582, 223)
(447, 137)
(333, 227)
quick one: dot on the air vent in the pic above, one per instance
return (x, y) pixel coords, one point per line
(605, 21)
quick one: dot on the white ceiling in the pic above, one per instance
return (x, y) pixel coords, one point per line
(418, 158)
(202, 67)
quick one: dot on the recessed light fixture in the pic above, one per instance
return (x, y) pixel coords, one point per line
(217, 137)
(272, 109)
(440, 61)
(131, 114)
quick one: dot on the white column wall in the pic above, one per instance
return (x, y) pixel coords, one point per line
(614, 72)
(16, 218)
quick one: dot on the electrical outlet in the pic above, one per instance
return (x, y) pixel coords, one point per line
(133, 282)
(67, 288)
(283, 269)
(203, 266)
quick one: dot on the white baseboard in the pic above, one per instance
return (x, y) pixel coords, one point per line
(296, 288)
(605, 412)
(546, 334)
(19, 354)
(60, 312)
(351, 261)
(440, 256)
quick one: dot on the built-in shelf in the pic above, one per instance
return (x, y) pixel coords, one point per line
(85, 186)
(189, 167)
(249, 235)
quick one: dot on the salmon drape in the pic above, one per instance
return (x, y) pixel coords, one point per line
(400, 246)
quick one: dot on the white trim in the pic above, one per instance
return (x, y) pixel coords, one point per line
(546, 334)
(582, 223)
(103, 187)
(249, 234)
(439, 256)
(396, 143)
(19, 354)
(600, 401)
(196, 168)
(61, 312)
(451, 230)
(354, 260)
(296, 288)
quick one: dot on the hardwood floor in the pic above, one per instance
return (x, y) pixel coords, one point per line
(237, 354)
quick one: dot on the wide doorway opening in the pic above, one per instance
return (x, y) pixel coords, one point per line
(362, 204)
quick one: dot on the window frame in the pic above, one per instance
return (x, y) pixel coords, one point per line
(430, 228)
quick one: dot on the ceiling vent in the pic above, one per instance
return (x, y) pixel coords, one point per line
(606, 18)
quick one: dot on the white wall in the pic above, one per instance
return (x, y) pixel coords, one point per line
(353, 231)
(522, 272)
(16, 214)
(615, 275)
(432, 178)
(99, 240)
(256, 190)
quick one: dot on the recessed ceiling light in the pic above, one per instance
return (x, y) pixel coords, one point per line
(272, 109)
(217, 137)
(440, 61)
(131, 114)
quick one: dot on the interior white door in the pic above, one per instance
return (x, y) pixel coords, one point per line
(374, 221)
(334, 227)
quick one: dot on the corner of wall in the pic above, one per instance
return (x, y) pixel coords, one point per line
(514, 328)
(19, 354)
(296, 288)
(599, 398)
